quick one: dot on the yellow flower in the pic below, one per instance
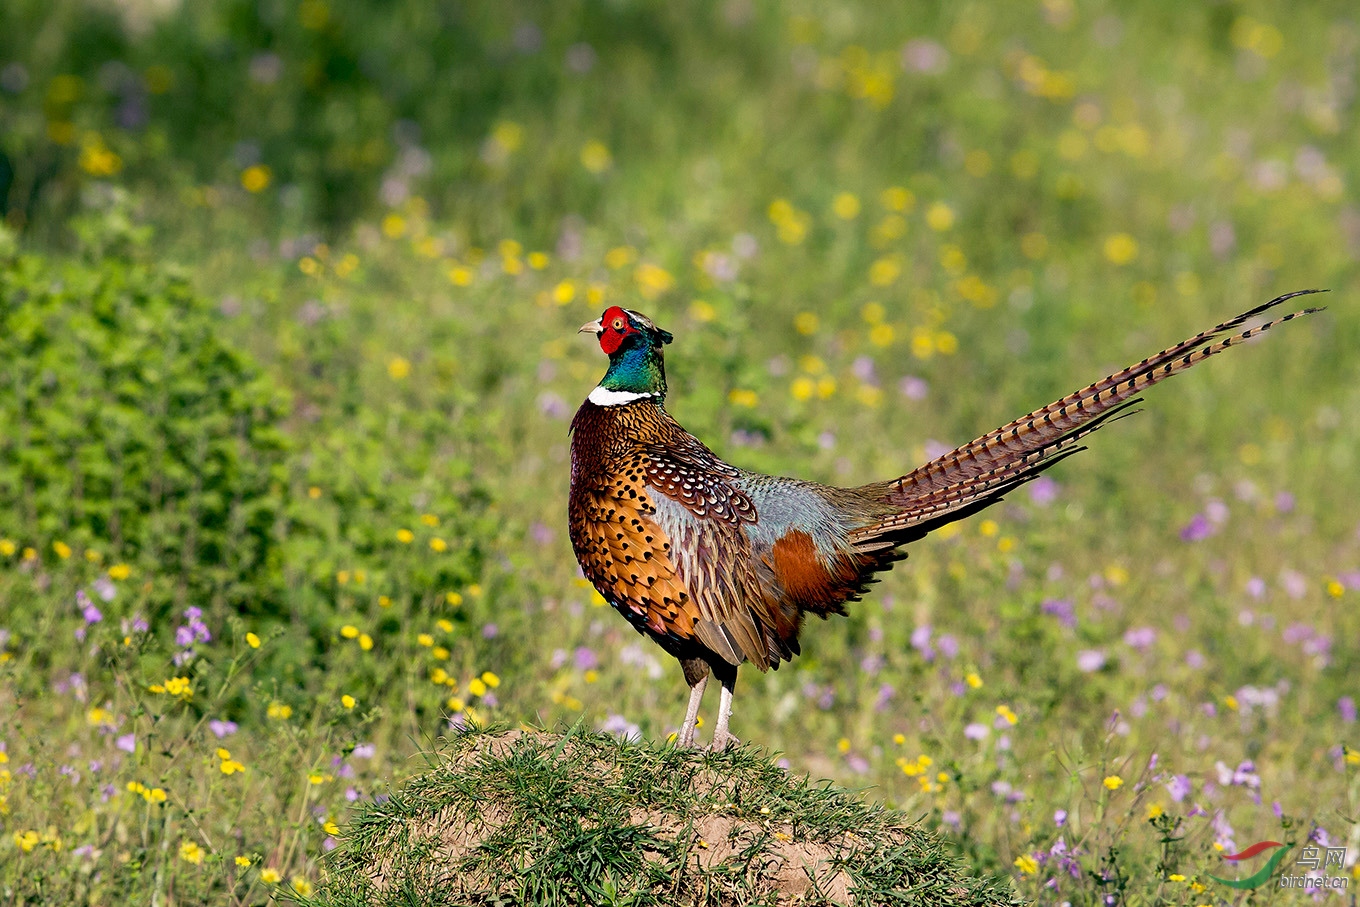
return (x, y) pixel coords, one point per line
(564, 292)
(429, 519)
(155, 795)
(885, 271)
(1175, 877)
(490, 679)
(1026, 864)
(899, 739)
(270, 876)
(802, 389)
(347, 701)
(440, 652)
(1113, 782)
(538, 260)
(425, 639)
(1352, 756)
(7, 548)
(1335, 589)
(120, 571)
(279, 710)
(444, 624)
(1005, 712)
(405, 536)
(365, 641)
(476, 686)
(26, 840)
(317, 778)
(398, 368)
(63, 550)
(940, 217)
(845, 206)
(989, 527)
(349, 631)
(384, 601)
(252, 640)
(896, 198)
(453, 598)
(743, 397)
(301, 885)
(806, 323)
(329, 827)
(1154, 810)
(1120, 248)
(190, 852)
(595, 157)
(255, 179)
(973, 680)
(243, 862)
(438, 545)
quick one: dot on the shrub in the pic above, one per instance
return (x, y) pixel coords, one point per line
(130, 429)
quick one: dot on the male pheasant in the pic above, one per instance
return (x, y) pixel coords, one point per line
(720, 565)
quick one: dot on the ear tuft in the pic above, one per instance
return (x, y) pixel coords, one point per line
(664, 336)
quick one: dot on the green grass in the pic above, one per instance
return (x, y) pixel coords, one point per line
(586, 818)
(860, 262)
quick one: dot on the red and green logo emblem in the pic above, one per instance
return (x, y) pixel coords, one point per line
(1258, 878)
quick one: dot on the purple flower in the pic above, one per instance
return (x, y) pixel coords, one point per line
(1178, 788)
(490, 631)
(913, 388)
(1059, 819)
(1284, 502)
(886, 692)
(1256, 587)
(1140, 638)
(920, 640)
(871, 664)
(1195, 659)
(1198, 529)
(1346, 706)
(976, 731)
(585, 659)
(1043, 491)
(949, 646)
(104, 588)
(621, 727)
(1062, 609)
(127, 743)
(858, 764)
(363, 751)
(221, 728)
(1090, 660)
(88, 610)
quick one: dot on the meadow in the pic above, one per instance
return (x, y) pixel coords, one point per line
(288, 306)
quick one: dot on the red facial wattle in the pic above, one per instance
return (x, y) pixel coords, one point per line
(616, 327)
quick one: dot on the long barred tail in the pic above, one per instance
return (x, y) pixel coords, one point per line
(970, 477)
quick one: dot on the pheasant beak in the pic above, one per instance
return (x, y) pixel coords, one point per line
(595, 327)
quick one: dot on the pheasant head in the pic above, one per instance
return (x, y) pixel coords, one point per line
(636, 365)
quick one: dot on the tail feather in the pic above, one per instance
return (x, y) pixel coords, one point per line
(978, 473)
(1037, 429)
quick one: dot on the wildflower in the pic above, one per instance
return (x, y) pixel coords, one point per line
(1005, 714)
(365, 641)
(1175, 877)
(190, 852)
(425, 639)
(595, 157)
(243, 862)
(1090, 660)
(347, 701)
(1154, 811)
(279, 710)
(270, 876)
(1113, 782)
(845, 206)
(1026, 864)
(940, 217)
(349, 631)
(405, 536)
(221, 728)
(7, 548)
(255, 179)
(120, 571)
(318, 778)
(398, 368)
(301, 885)
(329, 826)
(175, 686)
(806, 323)
(490, 679)
(477, 687)
(127, 743)
(453, 598)
(438, 545)
(1120, 248)
(228, 766)
(252, 640)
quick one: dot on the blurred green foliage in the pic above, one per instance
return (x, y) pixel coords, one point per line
(875, 230)
(128, 425)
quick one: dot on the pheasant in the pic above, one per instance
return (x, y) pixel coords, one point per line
(719, 565)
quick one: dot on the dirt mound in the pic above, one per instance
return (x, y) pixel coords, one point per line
(527, 818)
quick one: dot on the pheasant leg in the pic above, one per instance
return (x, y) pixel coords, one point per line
(722, 737)
(696, 694)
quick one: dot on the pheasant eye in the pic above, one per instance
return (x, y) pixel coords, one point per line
(617, 324)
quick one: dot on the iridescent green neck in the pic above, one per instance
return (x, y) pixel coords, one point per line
(637, 368)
